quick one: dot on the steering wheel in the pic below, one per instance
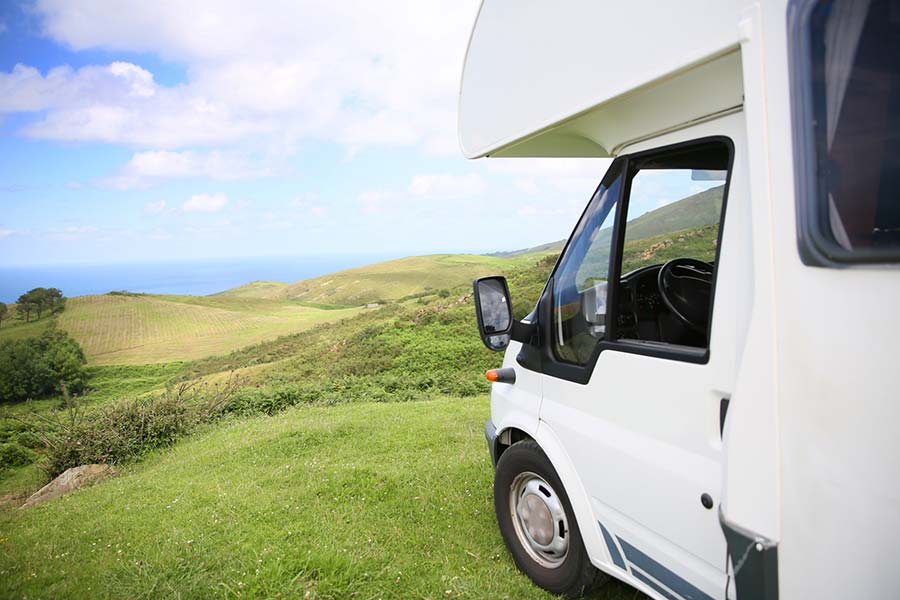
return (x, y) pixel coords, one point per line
(685, 285)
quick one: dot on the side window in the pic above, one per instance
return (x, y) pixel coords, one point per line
(674, 209)
(580, 280)
(656, 263)
(847, 120)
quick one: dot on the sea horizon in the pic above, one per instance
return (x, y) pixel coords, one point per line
(198, 277)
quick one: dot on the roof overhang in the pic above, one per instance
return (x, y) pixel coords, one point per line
(588, 78)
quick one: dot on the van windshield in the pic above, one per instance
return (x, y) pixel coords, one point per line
(580, 281)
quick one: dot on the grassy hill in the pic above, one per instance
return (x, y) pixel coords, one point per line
(700, 209)
(137, 328)
(694, 211)
(554, 247)
(12, 329)
(380, 282)
(133, 329)
(362, 501)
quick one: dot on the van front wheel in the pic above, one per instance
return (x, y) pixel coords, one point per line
(537, 523)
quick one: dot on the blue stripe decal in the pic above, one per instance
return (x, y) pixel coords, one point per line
(662, 574)
(613, 549)
(666, 593)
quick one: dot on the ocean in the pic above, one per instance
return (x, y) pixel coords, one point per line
(198, 278)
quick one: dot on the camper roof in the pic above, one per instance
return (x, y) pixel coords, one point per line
(586, 78)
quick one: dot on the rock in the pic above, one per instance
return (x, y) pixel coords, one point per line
(12, 499)
(69, 480)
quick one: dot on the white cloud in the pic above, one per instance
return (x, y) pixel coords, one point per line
(373, 201)
(447, 186)
(3, 27)
(358, 73)
(154, 208)
(527, 185)
(119, 103)
(569, 176)
(308, 206)
(205, 203)
(536, 210)
(152, 166)
(6, 232)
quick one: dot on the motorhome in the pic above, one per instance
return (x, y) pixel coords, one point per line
(702, 404)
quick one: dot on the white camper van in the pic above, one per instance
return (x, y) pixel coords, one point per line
(703, 403)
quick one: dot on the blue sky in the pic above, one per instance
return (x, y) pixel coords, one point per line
(141, 131)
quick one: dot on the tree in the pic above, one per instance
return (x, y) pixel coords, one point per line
(25, 304)
(40, 299)
(37, 367)
(3, 311)
(56, 302)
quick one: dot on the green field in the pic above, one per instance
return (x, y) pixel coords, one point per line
(390, 280)
(360, 501)
(136, 329)
(16, 330)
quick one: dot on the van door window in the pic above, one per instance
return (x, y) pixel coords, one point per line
(648, 242)
(673, 209)
(580, 280)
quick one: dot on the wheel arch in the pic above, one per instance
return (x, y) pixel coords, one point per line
(579, 499)
(506, 438)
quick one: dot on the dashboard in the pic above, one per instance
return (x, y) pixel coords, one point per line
(642, 314)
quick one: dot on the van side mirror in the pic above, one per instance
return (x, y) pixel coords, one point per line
(493, 310)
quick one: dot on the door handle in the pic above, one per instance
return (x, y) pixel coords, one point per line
(723, 410)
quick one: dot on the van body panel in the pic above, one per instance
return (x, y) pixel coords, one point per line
(516, 406)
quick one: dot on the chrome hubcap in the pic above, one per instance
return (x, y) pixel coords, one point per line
(539, 519)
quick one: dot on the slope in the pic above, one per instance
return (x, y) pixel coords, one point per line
(138, 328)
(384, 281)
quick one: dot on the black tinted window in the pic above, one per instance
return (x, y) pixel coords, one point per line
(854, 68)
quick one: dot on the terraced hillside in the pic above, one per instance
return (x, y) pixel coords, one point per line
(137, 328)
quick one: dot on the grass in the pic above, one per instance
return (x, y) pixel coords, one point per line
(390, 280)
(108, 382)
(354, 501)
(138, 329)
(14, 329)
(698, 242)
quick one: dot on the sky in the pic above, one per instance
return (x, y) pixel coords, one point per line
(144, 131)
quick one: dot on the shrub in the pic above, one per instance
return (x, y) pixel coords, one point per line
(30, 439)
(37, 367)
(14, 455)
(130, 428)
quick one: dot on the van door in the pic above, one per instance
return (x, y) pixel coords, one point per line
(637, 368)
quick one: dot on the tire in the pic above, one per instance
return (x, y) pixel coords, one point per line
(528, 497)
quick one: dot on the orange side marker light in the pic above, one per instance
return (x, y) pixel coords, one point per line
(492, 375)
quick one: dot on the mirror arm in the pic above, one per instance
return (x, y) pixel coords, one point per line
(522, 332)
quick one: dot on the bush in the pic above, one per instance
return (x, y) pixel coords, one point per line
(14, 455)
(37, 367)
(128, 429)
(30, 439)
